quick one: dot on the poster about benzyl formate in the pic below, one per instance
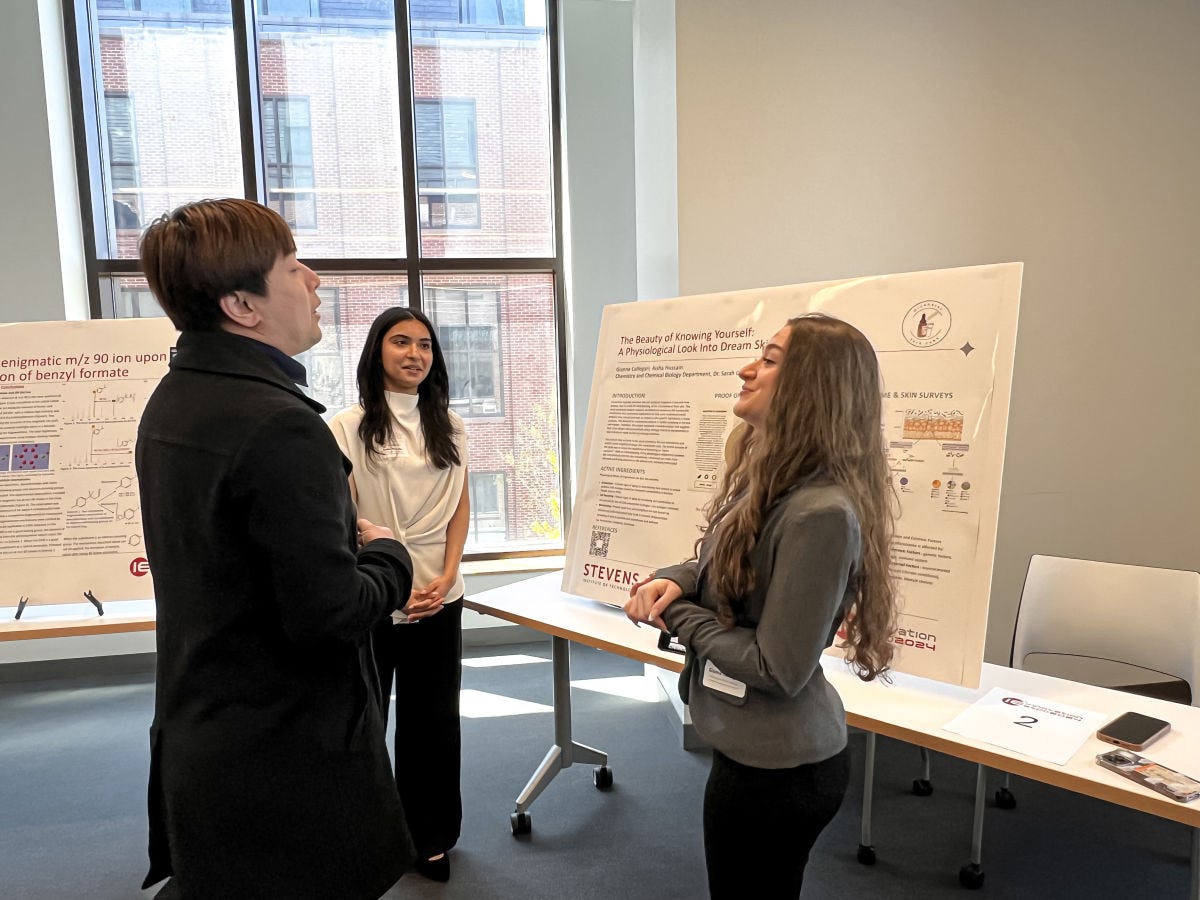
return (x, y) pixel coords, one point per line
(71, 395)
(660, 413)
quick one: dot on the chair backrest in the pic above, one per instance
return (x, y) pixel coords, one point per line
(1127, 614)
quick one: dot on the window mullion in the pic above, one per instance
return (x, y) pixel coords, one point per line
(249, 93)
(408, 152)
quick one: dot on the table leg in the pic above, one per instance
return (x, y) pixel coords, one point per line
(565, 751)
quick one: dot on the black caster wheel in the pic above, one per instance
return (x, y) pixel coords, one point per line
(922, 787)
(866, 855)
(521, 823)
(602, 777)
(1005, 799)
(971, 876)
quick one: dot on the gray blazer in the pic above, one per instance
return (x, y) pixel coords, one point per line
(806, 568)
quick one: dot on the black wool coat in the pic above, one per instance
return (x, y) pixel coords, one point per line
(269, 775)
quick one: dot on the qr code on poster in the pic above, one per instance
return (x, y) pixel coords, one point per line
(599, 544)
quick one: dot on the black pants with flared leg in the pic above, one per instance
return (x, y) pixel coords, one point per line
(425, 658)
(760, 824)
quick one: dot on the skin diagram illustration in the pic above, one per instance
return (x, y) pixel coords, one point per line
(938, 425)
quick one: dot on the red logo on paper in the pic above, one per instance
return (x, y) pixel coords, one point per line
(139, 567)
(1013, 701)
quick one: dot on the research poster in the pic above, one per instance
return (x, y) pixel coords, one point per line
(660, 412)
(71, 395)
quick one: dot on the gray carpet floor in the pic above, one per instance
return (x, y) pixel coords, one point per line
(73, 762)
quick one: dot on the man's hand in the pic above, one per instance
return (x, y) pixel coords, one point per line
(368, 531)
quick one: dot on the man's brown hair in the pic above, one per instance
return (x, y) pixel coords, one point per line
(205, 250)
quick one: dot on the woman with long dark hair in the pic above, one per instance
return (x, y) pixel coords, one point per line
(409, 453)
(796, 544)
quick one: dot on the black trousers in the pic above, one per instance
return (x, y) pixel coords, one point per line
(425, 658)
(760, 824)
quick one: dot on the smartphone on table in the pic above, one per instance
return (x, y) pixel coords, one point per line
(1133, 731)
(1147, 772)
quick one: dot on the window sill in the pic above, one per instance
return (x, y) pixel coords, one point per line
(515, 564)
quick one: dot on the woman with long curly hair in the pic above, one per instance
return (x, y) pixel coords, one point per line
(409, 454)
(796, 545)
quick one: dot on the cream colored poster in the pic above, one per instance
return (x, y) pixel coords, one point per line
(659, 414)
(71, 394)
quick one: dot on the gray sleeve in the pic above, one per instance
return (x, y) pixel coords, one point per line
(813, 554)
(686, 575)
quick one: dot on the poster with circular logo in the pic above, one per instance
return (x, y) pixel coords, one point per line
(927, 323)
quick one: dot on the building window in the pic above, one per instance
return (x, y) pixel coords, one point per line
(164, 6)
(287, 143)
(470, 12)
(455, 215)
(123, 180)
(447, 157)
(296, 8)
(468, 328)
(489, 522)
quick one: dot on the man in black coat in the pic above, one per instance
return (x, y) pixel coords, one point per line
(269, 774)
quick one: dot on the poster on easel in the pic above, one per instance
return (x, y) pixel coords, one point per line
(660, 412)
(71, 395)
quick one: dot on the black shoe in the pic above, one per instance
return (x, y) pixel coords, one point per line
(435, 869)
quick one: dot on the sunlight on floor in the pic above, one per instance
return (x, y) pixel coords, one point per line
(482, 705)
(631, 687)
(485, 662)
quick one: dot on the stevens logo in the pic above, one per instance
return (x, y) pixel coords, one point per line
(610, 574)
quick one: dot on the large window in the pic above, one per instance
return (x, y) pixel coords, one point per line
(415, 165)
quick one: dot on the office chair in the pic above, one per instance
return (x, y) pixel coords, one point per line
(1100, 613)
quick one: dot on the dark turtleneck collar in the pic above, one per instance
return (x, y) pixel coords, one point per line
(294, 370)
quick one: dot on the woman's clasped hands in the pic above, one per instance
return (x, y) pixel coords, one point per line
(648, 599)
(424, 602)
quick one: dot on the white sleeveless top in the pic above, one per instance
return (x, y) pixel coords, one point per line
(401, 489)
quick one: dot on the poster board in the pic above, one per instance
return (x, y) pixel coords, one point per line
(71, 395)
(660, 412)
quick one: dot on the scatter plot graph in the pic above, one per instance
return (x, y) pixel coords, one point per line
(28, 457)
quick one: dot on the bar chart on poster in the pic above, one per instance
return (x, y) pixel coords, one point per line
(659, 416)
(71, 395)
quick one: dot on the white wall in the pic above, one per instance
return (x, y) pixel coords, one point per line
(655, 149)
(597, 83)
(41, 251)
(833, 138)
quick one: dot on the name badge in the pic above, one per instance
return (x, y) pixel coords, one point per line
(717, 680)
